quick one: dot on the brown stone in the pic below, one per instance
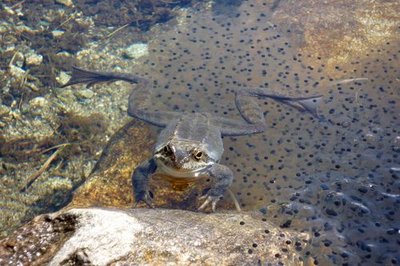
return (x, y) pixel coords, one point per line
(110, 182)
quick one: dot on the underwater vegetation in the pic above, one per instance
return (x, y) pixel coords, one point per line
(336, 181)
(43, 128)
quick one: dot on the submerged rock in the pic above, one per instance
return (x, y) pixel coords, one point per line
(67, 3)
(85, 94)
(148, 236)
(33, 59)
(109, 183)
(136, 50)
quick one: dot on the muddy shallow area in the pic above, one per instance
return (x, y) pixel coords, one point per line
(337, 179)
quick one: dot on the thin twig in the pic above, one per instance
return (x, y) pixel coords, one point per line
(21, 86)
(55, 147)
(42, 169)
(169, 2)
(345, 81)
(12, 59)
(21, 100)
(17, 4)
(117, 30)
(235, 201)
(356, 95)
(66, 21)
(24, 79)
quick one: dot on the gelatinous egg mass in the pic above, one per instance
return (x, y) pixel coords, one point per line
(336, 180)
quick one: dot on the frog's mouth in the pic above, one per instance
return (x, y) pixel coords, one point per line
(165, 166)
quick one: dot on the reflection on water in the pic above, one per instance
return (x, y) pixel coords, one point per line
(336, 180)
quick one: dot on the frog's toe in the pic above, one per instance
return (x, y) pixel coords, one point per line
(146, 197)
(209, 199)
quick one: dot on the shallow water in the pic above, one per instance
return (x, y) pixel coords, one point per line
(336, 180)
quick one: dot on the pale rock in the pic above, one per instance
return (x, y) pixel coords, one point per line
(84, 94)
(34, 59)
(136, 50)
(67, 3)
(64, 54)
(17, 72)
(4, 110)
(38, 102)
(8, 10)
(63, 78)
(57, 33)
(23, 28)
(66, 96)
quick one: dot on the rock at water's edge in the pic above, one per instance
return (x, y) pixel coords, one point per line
(149, 236)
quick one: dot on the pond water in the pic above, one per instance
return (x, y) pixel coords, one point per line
(336, 180)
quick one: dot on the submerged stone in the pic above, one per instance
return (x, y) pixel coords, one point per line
(136, 50)
(109, 183)
(34, 59)
(85, 93)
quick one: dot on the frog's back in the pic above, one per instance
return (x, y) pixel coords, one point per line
(196, 128)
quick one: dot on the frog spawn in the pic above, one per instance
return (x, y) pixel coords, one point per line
(336, 180)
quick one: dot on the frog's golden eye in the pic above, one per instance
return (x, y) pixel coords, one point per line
(198, 155)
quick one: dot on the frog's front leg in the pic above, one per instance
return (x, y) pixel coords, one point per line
(223, 177)
(140, 181)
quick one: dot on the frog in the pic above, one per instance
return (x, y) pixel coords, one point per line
(190, 145)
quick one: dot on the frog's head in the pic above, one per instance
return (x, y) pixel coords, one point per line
(183, 157)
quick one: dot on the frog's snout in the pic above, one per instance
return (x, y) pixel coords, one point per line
(180, 158)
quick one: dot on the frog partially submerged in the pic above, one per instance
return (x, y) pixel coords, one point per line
(190, 144)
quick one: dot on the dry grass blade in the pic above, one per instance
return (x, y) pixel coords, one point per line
(66, 21)
(44, 167)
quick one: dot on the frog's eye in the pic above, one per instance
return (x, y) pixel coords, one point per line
(198, 155)
(167, 149)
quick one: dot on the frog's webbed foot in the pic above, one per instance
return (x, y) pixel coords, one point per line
(144, 196)
(223, 177)
(209, 199)
(214, 199)
(90, 77)
(140, 180)
(252, 113)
